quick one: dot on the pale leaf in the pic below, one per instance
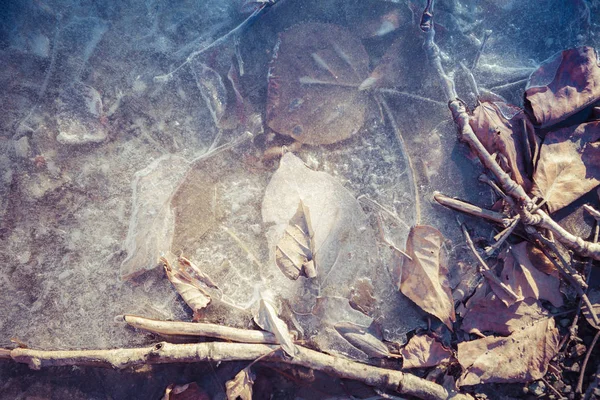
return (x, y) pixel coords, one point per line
(268, 319)
(520, 357)
(569, 165)
(424, 277)
(294, 252)
(241, 385)
(362, 339)
(193, 295)
(189, 391)
(313, 91)
(424, 351)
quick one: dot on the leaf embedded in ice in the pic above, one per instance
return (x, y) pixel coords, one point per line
(268, 319)
(504, 129)
(569, 165)
(521, 357)
(294, 252)
(424, 277)
(79, 116)
(424, 351)
(190, 291)
(490, 314)
(193, 206)
(563, 85)
(241, 385)
(526, 280)
(313, 91)
(364, 340)
(151, 225)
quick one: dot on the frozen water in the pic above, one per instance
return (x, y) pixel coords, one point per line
(66, 210)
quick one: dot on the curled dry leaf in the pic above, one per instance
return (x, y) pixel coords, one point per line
(268, 319)
(190, 291)
(424, 277)
(503, 128)
(313, 91)
(363, 339)
(521, 357)
(189, 391)
(526, 280)
(241, 385)
(563, 85)
(569, 165)
(295, 251)
(424, 351)
(490, 314)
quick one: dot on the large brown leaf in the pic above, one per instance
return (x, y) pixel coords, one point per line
(490, 314)
(504, 129)
(526, 280)
(424, 351)
(313, 91)
(564, 84)
(520, 357)
(424, 277)
(569, 165)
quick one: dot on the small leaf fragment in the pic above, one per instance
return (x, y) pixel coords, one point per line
(189, 391)
(520, 357)
(241, 385)
(295, 251)
(424, 351)
(424, 277)
(362, 339)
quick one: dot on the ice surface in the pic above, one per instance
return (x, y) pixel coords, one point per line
(65, 211)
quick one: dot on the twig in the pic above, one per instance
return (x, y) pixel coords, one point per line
(579, 388)
(167, 353)
(179, 328)
(595, 383)
(502, 236)
(552, 388)
(486, 271)
(471, 209)
(486, 36)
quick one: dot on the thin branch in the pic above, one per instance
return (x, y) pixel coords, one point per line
(579, 388)
(167, 353)
(197, 329)
(471, 209)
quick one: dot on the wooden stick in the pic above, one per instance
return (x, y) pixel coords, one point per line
(471, 209)
(167, 353)
(199, 329)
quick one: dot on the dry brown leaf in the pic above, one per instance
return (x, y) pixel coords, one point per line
(295, 251)
(241, 385)
(520, 357)
(190, 291)
(189, 391)
(424, 351)
(526, 280)
(492, 315)
(424, 277)
(569, 165)
(268, 319)
(503, 128)
(564, 84)
(361, 296)
(313, 91)
(364, 340)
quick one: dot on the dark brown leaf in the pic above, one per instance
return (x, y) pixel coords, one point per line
(564, 84)
(424, 351)
(526, 280)
(504, 129)
(491, 315)
(313, 91)
(520, 357)
(424, 277)
(569, 165)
